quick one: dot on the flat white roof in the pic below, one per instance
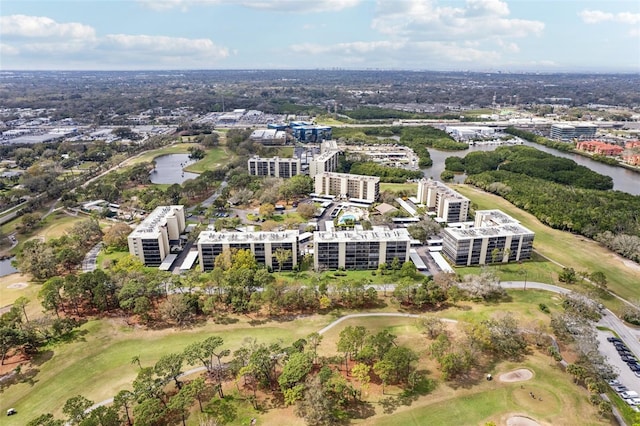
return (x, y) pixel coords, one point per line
(212, 237)
(441, 262)
(167, 262)
(373, 235)
(150, 226)
(189, 261)
(417, 260)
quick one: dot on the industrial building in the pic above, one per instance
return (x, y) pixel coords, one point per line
(360, 249)
(494, 237)
(467, 133)
(269, 137)
(448, 205)
(307, 132)
(151, 241)
(568, 132)
(263, 245)
(347, 186)
(274, 166)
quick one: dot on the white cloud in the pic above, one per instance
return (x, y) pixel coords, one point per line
(598, 16)
(37, 42)
(426, 20)
(299, 6)
(43, 27)
(161, 45)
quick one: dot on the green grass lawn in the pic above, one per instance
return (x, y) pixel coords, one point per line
(178, 148)
(565, 248)
(215, 158)
(98, 364)
(409, 188)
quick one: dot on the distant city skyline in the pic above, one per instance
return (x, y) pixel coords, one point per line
(438, 35)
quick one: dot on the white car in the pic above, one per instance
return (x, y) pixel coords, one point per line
(633, 401)
(629, 394)
(613, 382)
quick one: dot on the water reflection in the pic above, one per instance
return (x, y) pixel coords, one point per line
(169, 169)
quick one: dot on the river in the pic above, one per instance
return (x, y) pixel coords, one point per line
(169, 169)
(623, 179)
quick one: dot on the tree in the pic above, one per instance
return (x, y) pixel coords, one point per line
(295, 370)
(384, 370)
(306, 210)
(599, 279)
(317, 407)
(314, 340)
(204, 352)
(116, 236)
(124, 401)
(169, 367)
(567, 275)
(267, 210)
(45, 420)
(281, 256)
(49, 294)
(175, 308)
(10, 337)
(506, 339)
(75, 409)
(148, 412)
(350, 341)
(223, 411)
(361, 373)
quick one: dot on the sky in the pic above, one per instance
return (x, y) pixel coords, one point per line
(437, 35)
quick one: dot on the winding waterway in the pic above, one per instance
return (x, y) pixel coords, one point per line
(623, 179)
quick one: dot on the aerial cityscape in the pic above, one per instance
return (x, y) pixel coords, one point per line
(336, 212)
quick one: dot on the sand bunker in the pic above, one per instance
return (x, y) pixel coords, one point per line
(521, 421)
(17, 285)
(518, 375)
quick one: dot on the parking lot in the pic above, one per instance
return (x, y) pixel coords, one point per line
(626, 377)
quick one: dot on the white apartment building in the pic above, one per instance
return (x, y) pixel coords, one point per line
(494, 234)
(359, 249)
(449, 205)
(274, 166)
(263, 245)
(151, 240)
(325, 162)
(346, 185)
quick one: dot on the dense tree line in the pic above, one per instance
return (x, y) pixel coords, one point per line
(44, 260)
(533, 163)
(608, 216)
(532, 137)
(385, 173)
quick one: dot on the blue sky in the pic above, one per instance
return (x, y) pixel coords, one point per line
(477, 35)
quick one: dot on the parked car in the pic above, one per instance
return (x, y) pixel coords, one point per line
(613, 339)
(620, 388)
(633, 401)
(613, 382)
(629, 394)
(11, 412)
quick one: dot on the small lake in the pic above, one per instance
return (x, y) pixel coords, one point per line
(169, 169)
(6, 268)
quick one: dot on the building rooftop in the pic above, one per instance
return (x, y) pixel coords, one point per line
(374, 235)
(212, 237)
(350, 176)
(489, 231)
(493, 218)
(151, 225)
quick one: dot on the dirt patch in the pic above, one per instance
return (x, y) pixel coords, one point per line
(518, 375)
(18, 286)
(521, 421)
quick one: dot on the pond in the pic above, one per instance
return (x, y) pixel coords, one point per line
(6, 268)
(169, 169)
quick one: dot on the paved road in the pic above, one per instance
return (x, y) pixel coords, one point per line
(89, 262)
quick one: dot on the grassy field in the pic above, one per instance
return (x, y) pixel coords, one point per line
(565, 248)
(179, 148)
(215, 158)
(98, 364)
(409, 188)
